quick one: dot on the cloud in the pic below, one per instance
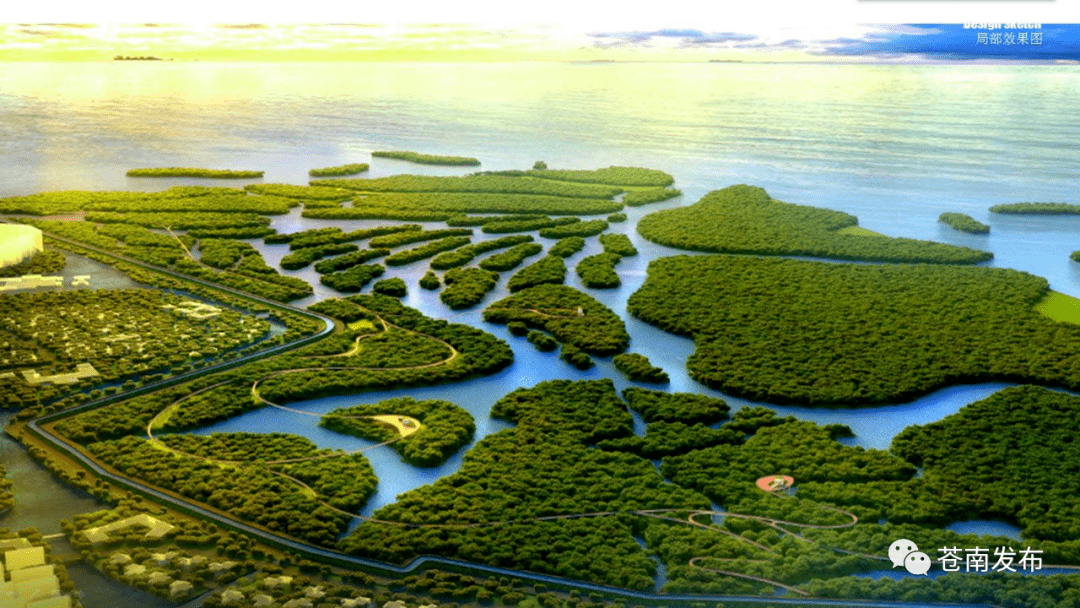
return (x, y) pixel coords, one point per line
(954, 42)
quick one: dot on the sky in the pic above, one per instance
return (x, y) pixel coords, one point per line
(554, 30)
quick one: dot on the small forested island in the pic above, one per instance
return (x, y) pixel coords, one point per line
(745, 219)
(964, 223)
(338, 170)
(427, 159)
(194, 172)
(1037, 208)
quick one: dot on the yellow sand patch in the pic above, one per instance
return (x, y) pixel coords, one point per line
(405, 425)
(361, 324)
(858, 231)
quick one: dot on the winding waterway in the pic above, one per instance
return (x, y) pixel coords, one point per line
(894, 145)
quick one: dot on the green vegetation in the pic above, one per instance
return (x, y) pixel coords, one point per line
(417, 236)
(480, 220)
(242, 447)
(441, 206)
(478, 352)
(619, 244)
(541, 341)
(968, 461)
(598, 271)
(964, 223)
(349, 260)
(302, 258)
(639, 369)
(464, 255)
(590, 228)
(688, 408)
(527, 225)
(512, 258)
(444, 427)
(574, 356)
(187, 407)
(1036, 208)
(254, 493)
(542, 467)
(177, 198)
(567, 247)
(334, 235)
(184, 220)
(465, 287)
(671, 439)
(194, 172)
(352, 169)
(638, 198)
(430, 281)
(549, 269)
(621, 176)
(307, 193)
(423, 252)
(353, 279)
(476, 183)
(744, 219)
(616, 217)
(394, 287)
(426, 159)
(569, 315)
(48, 261)
(238, 232)
(251, 275)
(374, 213)
(789, 331)
(45, 335)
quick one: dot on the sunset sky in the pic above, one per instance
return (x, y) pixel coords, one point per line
(555, 30)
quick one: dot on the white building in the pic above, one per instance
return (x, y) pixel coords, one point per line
(18, 243)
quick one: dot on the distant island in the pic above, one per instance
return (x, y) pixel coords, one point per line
(136, 58)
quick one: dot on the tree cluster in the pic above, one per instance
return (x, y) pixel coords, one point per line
(567, 247)
(570, 316)
(464, 255)
(527, 224)
(582, 229)
(744, 219)
(194, 172)
(637, 198)
(428, 250)
(1037, 208)
(639, 369)
(444, 427)
(465, 287)
(598, 271)
(339, 170)
(964, 223)
(353, 279)
(476, 183)
(391, 287)
(512, 258)
(304, 257)
(425, 159)
(548, 269)
(790, 331)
